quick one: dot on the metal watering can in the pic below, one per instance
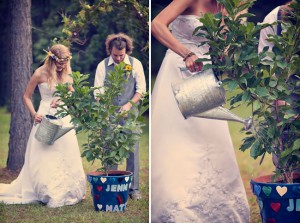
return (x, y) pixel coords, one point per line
(202, 95)
(50, 129)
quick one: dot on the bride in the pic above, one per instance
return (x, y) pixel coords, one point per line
(52, 174)
(195, 176)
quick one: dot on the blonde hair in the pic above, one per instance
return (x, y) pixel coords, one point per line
(120, 41)
(59, 51)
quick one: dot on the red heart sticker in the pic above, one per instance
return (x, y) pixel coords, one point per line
(271, 220)
(97, 197)
(99, 188)
(275, 206)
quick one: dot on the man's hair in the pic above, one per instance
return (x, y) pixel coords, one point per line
(286, 12)
(119, 41)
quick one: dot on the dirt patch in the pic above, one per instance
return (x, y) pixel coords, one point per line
(7, 176)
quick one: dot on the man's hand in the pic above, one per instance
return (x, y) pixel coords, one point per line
(126, 107)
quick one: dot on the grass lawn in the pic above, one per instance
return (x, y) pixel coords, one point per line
(137, 211)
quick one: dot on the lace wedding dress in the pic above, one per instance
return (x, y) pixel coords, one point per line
(195, 176)
(52, 174)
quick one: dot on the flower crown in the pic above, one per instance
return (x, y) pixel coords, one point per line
(57, 59)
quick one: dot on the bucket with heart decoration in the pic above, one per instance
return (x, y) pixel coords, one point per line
(278, 202)
(110, 193)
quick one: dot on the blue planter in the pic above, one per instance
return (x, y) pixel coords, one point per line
(278, 202)
(110, 193)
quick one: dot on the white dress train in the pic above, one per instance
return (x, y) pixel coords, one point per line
(52, 174)
(195, 176)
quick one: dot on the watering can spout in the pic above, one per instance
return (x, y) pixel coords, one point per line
(222, 113)
(62, 131)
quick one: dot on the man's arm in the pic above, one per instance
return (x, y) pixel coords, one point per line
(99, 80)
(136, 98)
(140, 85)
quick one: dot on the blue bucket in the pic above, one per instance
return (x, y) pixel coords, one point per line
(278, 202)
(110, 193)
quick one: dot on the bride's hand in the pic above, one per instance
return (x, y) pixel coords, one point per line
(54, 103)
(192, 65)
(37, 118)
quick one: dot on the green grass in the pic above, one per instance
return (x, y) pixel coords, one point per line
(136, 211)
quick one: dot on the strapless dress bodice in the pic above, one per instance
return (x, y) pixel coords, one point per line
(182, 29)
(46, 92)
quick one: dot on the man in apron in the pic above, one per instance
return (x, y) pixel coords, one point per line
(119, 47)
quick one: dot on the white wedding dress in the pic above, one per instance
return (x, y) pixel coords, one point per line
(195, 176)
(52, 174)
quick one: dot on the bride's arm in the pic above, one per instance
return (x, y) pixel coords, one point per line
(33, 82)
(159, 28)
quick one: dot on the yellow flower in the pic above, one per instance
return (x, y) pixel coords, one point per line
(128, 67)
(49, 53)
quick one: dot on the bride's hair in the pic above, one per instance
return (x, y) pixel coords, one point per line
(119, 41)
(57, 53)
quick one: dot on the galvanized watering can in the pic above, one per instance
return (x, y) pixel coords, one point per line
(202, 95)
(50, 129)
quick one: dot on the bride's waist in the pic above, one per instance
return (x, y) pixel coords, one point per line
(194, 47)
(201, 53)
(45, 107)
(46, 100)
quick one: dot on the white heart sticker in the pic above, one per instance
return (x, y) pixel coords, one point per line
(103, 180)
(281, 190)
(99, 206)
(126, 179)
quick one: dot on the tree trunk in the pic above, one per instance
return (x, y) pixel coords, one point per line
(4, 68)
(20, 65)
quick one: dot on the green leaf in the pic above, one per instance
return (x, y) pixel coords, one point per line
(230, 36)
(281, 87)
(247, 143)
(243, 80)
(296, 146)
(246, 96)
(281, 64)
(245, 15)
(273, 82)
(262, 91)
(256, 149)
(232, 85)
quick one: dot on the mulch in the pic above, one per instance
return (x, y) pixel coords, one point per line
(7, 176)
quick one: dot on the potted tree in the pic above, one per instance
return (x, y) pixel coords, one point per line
(108, 140)
(262, 79)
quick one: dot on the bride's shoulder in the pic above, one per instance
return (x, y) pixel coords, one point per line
(40, 73)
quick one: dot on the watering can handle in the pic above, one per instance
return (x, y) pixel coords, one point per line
(199, 72)
(50, 109)
(185, 69)
(58, 118)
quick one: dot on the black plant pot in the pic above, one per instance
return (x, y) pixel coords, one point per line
(110, 193)
(278, 202)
